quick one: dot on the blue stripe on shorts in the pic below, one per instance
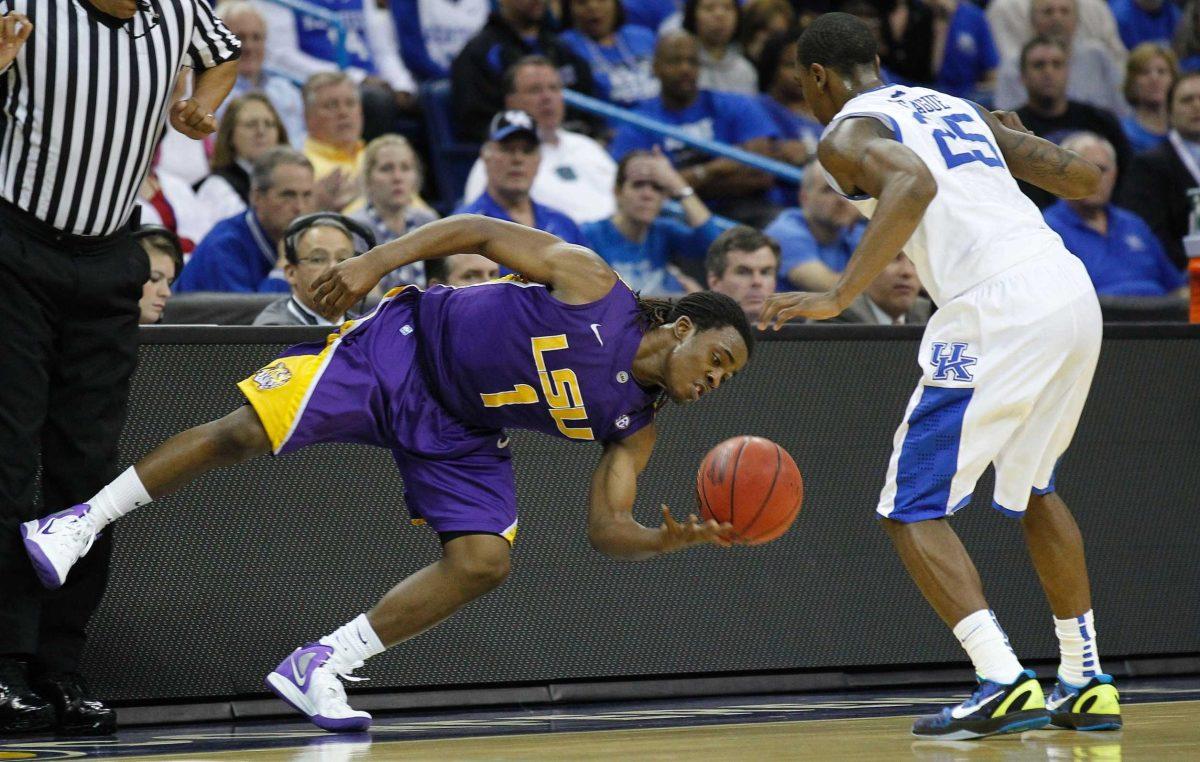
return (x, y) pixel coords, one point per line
(929, 455)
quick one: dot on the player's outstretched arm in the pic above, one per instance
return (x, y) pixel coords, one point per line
(863, 157)
(1038, 161)
(576, 274)
(612, 530)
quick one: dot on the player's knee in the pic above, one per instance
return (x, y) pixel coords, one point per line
(238, 436)
(484, 566)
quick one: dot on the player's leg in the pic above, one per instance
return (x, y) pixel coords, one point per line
(471, 502)
(57, 541)
(472, 564)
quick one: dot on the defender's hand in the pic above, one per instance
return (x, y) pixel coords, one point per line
(192, 119)
(14, 30)
(1013, 122)
(781, 308)
(674, 536)
(338, 288)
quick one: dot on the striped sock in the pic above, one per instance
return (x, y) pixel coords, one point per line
(1077, 645)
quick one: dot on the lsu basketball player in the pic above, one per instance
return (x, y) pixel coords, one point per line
(1007, 360)
(436, 377)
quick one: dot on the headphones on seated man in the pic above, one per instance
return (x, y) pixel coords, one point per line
(340, 221)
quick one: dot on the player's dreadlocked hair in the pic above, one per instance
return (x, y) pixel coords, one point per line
(838, 41)
(706, 309)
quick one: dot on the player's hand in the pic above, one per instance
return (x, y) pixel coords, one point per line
(14, 30)
(1012, 121)
(192, 119)
(674, 535)
(341, 286)
(781, 308)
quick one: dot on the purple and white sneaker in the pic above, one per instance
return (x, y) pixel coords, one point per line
(55, 542)
(309, 682)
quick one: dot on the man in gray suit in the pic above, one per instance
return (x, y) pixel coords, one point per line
(893, 298)
(318, 247)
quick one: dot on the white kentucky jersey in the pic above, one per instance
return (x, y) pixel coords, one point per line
(980, 223)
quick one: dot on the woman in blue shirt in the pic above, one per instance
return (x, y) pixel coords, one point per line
(620, 54)
(637, 242)
(1149, 75)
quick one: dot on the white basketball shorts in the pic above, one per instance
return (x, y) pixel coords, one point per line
(1006, 368)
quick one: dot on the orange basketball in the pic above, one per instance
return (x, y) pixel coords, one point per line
(753, 484)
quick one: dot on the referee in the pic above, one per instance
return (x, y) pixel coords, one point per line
(84, 91)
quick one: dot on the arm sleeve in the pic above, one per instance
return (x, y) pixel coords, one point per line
(406, 16)
(211, 44)
(385, 50)
(684, 242)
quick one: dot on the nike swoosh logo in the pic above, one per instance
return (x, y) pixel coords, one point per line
(300, 669)
(596, 330)
(963, 710)
(1052, 704)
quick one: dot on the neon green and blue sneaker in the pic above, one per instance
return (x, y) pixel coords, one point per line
(993, 708)
(1095, 706)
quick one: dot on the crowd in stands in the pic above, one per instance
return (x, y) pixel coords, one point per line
(338, 103)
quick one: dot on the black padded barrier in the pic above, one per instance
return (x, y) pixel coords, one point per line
(213, 586)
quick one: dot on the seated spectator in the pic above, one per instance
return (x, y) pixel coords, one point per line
(1187, 37)
(1049, 113)
(619, 54)
(432, 32)
(250, 128)
(461, 270)
(243, 19)
(1149, 74)
(743, 264)
(653, 14)
(168, 201)
(817, 239)
(640, 244)
(515, 30)
(166, 260)
(783, 100)
(304, 45)
(392, 173)
(1012, 26)
(316, 248)
(1158, 181)
(1141, 21)
(576, 173)
(867, 12)
(968, 57)
(730, 187)
(908, 49)
(241, 253)
(333, 114)
(1094, 77)
(715, 23)
(1121, 254)
(510, 158)
(762, 20)
(893, 298)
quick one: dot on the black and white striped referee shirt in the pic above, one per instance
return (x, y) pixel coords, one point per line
(84, 103)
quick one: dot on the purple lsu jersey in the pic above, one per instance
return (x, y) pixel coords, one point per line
(508, 354)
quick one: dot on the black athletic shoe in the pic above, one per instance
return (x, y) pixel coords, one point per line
(79, 712)
(993, 708)
(21, 710)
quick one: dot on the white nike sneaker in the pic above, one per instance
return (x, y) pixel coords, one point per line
(55, 542)
(310, 683)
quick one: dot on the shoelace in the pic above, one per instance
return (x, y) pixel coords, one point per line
(332, 686)
(80, 530)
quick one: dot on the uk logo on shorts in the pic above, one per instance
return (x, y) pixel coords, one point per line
(272, 377)
(950, 363)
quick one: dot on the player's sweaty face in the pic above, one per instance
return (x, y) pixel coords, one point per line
(703, 361)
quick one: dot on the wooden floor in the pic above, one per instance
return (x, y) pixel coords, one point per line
(1154, 731)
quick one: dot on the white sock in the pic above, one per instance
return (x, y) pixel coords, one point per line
(121, 496)
(353, 642)
(988, 647)
(1077, 647)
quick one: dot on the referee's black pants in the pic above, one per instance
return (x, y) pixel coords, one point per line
(68, 345)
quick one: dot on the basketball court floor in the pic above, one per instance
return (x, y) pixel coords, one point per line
(1162, 722)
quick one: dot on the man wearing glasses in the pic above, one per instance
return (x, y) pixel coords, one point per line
(318, 247)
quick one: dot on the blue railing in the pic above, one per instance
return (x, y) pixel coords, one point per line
(341, 57)
(603, 108)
